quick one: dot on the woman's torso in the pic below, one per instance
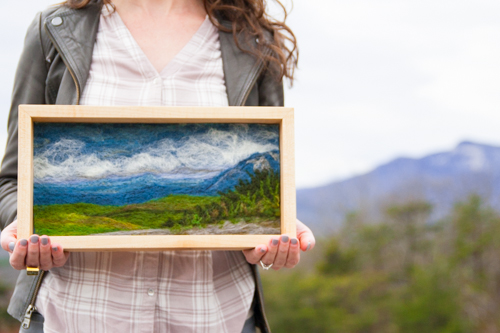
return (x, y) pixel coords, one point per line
(176, 291)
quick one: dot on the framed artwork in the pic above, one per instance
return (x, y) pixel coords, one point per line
(150, 178)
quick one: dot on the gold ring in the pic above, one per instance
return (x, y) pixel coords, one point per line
(32, 270)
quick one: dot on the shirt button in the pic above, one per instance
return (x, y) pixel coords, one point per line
(151, 292)
(156, 81)
(56, 21)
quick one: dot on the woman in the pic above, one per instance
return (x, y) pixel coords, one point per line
(146, 52)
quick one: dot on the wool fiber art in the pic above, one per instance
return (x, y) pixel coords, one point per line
(156, 179)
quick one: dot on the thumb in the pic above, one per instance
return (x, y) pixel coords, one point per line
(8, 237)
(305, 236)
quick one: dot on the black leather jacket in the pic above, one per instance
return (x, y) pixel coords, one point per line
(53, 69)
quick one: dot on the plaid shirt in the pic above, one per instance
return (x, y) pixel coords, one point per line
(174, 291)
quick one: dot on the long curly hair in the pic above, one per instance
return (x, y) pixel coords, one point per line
(249, 20)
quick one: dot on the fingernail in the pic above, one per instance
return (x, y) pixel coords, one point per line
(275, 241)
(45, 241)
(284, 239)
(23, 242)
(308, 246)
(34, 239)
(54, 248)
(294, 241)
(262, 250)
(11, 246)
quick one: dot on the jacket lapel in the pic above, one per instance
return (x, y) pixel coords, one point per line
(240, 69)
(73, 33)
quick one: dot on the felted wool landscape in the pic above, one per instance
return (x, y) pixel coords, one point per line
(156, 179)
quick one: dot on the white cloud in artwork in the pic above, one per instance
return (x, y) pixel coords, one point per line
(201, 155)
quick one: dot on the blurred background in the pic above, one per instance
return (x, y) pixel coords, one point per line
(397, 165)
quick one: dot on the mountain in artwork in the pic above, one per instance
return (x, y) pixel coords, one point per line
(229, 178)
(148, 186)
(121, 164)
(441, 179)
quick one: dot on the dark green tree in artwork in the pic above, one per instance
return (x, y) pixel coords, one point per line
(257, 197)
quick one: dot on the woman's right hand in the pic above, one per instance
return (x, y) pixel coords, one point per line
(35, 252)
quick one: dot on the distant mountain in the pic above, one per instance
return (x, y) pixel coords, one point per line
(441, 179)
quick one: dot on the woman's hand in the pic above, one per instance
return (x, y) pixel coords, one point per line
(283, 251)
(35, 252)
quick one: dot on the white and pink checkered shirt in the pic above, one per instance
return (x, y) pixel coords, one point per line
(174, 291)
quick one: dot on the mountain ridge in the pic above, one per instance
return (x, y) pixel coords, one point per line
(441, 178)
(145, 187)
(229, 178)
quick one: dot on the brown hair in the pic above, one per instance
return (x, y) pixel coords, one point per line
(249, 19)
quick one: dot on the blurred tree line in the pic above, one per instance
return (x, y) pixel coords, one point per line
(399, 275)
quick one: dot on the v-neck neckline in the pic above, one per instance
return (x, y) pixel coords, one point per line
(187, 51)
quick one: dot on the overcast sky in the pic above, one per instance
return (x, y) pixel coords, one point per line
(377, 79)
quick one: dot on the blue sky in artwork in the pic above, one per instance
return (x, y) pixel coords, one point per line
(73, 151)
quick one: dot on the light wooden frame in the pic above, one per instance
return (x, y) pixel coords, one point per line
(126, 114)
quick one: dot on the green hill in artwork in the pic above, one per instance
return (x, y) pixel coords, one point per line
(86, 219)
(255, 200)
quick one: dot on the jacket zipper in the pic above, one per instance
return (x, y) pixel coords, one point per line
(70, 70)
(31, 307)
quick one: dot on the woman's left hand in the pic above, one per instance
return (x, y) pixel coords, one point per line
(282, 251)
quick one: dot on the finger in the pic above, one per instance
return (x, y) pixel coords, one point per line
(45, 253)
(293, 254)
(281, 256)
(254, 256)
(18, 258)
(33, 258)
(272, 249)
(59, 258)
